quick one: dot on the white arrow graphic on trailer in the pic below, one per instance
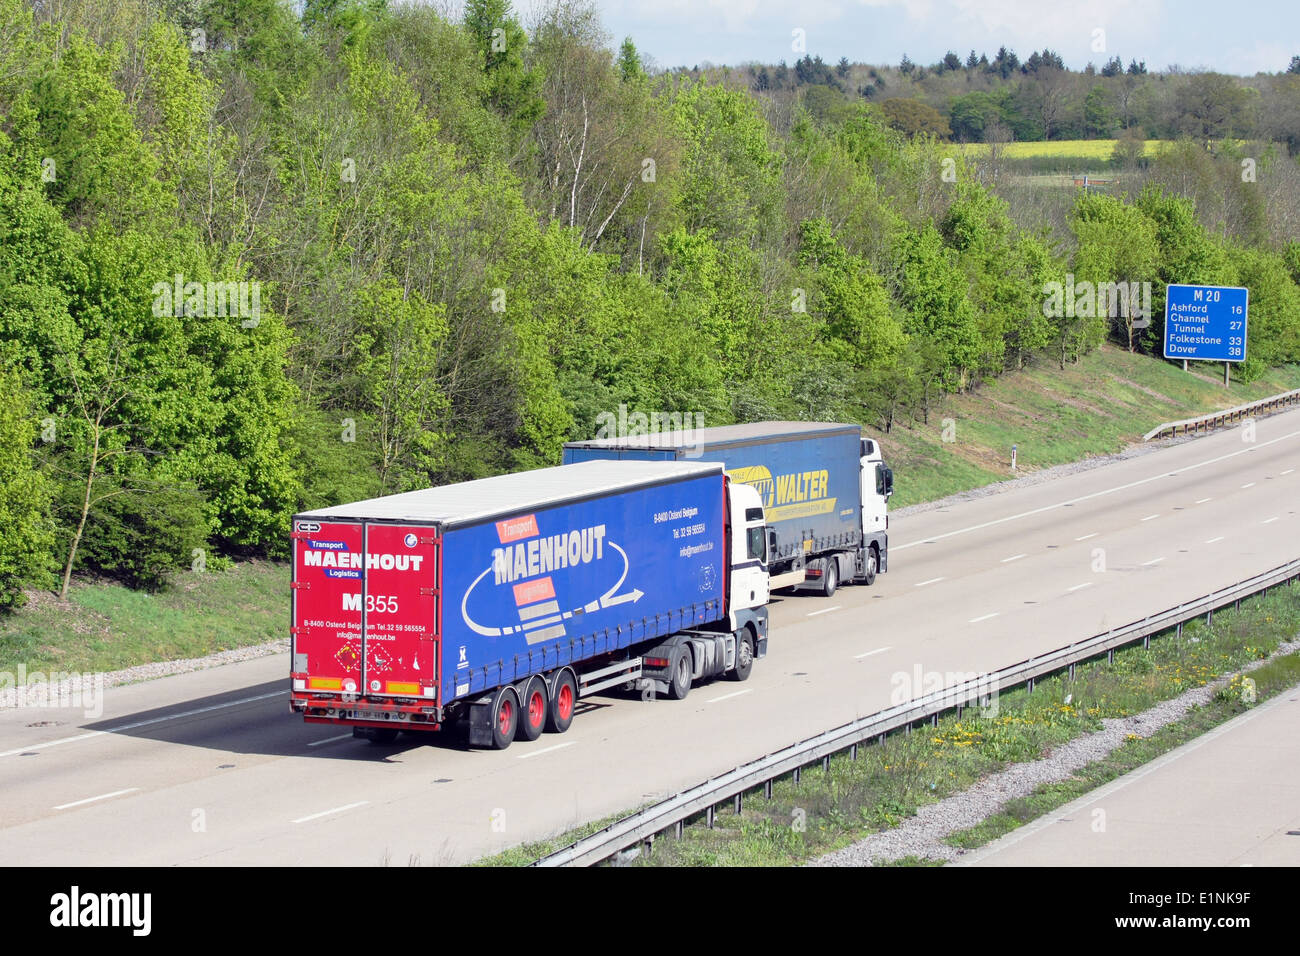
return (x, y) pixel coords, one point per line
(464, 611)
(634, 595)
(608, 599)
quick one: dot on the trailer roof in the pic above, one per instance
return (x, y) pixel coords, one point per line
(719, 435)
(471, 502)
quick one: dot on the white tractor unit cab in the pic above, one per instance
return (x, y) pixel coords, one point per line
(669, 667)
(870, 552)
(748, 587)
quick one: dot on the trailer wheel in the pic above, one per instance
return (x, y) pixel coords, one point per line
(744, 655)
(505, 717)
(564, 696)
(532, 712)
(830, 576)
(869, 578)
(679, 685)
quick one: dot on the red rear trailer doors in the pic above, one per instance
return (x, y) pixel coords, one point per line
(366, 609)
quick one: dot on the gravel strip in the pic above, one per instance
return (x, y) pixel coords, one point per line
(67, 683)
(921, 836)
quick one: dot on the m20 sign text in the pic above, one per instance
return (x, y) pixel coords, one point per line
(1206, 322)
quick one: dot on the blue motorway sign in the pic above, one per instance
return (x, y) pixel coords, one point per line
(1206, 322)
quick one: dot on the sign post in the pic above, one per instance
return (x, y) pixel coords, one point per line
(1206, 323)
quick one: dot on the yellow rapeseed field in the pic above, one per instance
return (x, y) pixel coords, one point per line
(1081, 148)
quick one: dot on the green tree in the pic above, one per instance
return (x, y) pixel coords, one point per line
(1117, 251)
(513, 89)
(1186, 252)
(933, 291)
(852, 300)
(1005, 272)
(913, 117)
(1098, 114)
(731, 181)
(629, 62)
(26, 531)
(1274, 333)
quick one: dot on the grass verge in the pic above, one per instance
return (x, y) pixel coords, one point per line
(104, 626)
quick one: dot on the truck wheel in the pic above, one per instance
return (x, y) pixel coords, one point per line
(505, 717)
(830, 576)
(564, 696)
(869, 578)
(532, 712)
(744, 655)
(679, 685)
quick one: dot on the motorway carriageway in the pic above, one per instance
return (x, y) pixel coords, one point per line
(210, 768)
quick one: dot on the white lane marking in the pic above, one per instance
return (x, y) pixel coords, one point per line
(1288, 471)
(878, 650)
(1149, 517)
(976, 620)
(546, 750)
(329, 740)
(102, 796)
(1014, 557)
(1215, 540)
(1249, 484)
(1085, 584)
(825, 610)
(728, 696)
(1098, 494)
(139, 723)
(1086, 536)
(52, 743)
(1269, 520)
(1153, 561)
(1201, 501)
(325, 813)
(921, 584)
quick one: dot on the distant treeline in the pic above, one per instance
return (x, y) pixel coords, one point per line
(976, 99)
(257, 257)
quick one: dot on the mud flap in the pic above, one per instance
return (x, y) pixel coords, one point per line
(479, 719)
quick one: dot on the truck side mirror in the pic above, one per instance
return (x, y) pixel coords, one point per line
(889, 482)
(771, 546)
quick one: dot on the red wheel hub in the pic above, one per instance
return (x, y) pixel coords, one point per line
(504, 716)
(536, 709)
(565, 702)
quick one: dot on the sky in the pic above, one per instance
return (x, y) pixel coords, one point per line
(1242, 37)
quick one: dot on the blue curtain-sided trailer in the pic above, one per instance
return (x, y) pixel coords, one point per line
(824, 489)
(504, 600)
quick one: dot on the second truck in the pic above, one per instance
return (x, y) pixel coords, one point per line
(825, 490)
